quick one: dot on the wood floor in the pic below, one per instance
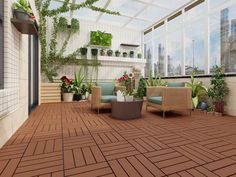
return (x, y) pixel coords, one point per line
(70, 140)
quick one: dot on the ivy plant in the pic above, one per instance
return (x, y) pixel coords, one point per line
(53, 58)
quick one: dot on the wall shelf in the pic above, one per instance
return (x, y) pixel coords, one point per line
(25, 26)
(129, 45)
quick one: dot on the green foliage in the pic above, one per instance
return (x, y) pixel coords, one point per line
(52, 59)
(198, 90)
(79, 79)
(219, 88)
(63, 24)
(141, 88)
(139, 55)
(109, 52)
(22, 4)
(84, 89)
(74, 25)
(155, 81)
(100, 38)
(89, 86)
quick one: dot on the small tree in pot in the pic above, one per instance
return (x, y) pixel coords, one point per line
(67, 88)
(218, 89)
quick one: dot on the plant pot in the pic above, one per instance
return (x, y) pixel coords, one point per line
(102, 52)
(83, 97)
(139, 55)
(90, 97)
(83, 51)
(129, 98)
(219, 106)
(117, 54)
(21, 14)
(202, 106)
(94, 52)
(68, 97)
(125, 55)
(86, 95)
(77, 97)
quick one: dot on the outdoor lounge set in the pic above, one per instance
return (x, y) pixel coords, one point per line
(173, 97)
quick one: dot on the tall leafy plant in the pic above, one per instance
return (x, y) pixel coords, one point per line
(198, 89)
(218, 89)
(154, 81)
(53, 58)
(78, 81)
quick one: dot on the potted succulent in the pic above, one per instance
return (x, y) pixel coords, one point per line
(139, 55)
(67, 89)
(84, 91)
(218, 89)
(79, 78)
(109, 52)
(117, 53)
(94, 52)
(102, 52)
(83, 51)
(125, 54)
(131, 54)
(22, 10)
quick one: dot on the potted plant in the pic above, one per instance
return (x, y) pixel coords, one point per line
(139, 55)
(102, 52)
(83, 51)
(79, 78)
(84, 91)
(89, 85)
(94, 52)
(125, 54)
(22, 10)
(109, 52)
(117, 53)
(67, 89)
(131, 54)
(141, 88)
(218, 89)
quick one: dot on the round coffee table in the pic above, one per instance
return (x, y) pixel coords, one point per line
(127, 110)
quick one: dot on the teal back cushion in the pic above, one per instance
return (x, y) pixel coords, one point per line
(107, 88)
(175, 84)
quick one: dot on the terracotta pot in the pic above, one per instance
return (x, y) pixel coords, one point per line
(68, 97)
(219, 106)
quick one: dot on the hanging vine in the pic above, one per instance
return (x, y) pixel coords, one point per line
(52, 59)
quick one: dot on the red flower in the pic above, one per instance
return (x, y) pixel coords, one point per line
(66, 80)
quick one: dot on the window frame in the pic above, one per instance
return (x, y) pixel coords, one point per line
(2, 45)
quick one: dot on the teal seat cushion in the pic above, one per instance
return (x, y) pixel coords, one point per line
(175, 84)
(155, 100)
(108, 98)
(107, 88)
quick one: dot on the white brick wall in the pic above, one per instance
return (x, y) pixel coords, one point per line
(14, 96)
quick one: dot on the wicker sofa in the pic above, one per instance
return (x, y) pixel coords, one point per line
(173, 97)
(103, 94)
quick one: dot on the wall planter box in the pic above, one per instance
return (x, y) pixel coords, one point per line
(25, 26)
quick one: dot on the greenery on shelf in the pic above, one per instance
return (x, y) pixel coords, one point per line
(125, 54)
(22, 5)
(154, 81)
(109, 52)
(53, 58)
(117, 53)
(139, 55)
(198, 90)
(102, 52)
(100, 38)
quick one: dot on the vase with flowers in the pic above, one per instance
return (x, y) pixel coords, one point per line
(67, 88)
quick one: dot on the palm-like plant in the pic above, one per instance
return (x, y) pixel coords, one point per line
(79, 78)
(198, 89)
(154, 81)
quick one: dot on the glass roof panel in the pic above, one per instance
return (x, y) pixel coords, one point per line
(138, 24)
(127, 7)
(86, 14)
(170, 4)
(114, 20)
(153, 13)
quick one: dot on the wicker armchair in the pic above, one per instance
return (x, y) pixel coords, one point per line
(169, 98)
(103, 94)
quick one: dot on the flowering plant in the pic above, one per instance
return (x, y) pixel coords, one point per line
(67, 85)
(127, 81)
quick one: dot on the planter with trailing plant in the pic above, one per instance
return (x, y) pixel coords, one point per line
(125, 54)
(102, 52)
(131, 54)
(109, 52)
(139, 55)
(79, 78)
(94, 52)
(83, 51)
(22, 10)
(67, 89)
(218, 89)
(117, 53)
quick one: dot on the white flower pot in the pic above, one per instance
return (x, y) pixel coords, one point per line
(90, 97)
(68, 97)
(129, 98)
(83, 97)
